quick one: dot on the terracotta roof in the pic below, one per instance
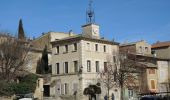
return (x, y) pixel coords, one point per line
(161, 44)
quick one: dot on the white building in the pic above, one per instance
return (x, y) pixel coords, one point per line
(85, 53)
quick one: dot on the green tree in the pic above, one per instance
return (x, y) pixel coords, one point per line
(42, 64)
(21, 34)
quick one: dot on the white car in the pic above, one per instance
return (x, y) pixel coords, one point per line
(26, 99)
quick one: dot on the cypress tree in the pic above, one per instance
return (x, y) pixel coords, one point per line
(42, 64)
(44, 59)
(21, 34)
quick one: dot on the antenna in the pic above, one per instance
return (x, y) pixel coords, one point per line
(90, 14)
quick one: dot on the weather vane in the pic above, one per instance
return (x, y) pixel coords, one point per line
(90, 13)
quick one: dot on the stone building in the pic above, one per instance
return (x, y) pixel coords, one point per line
(139, 47)
(77, 61)
(46, 38)
(36, 48)
(162, 50)
(142, 51)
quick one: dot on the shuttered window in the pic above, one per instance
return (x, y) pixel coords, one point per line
(97, 66)
(153, 84)
(75, 66)
(105, 66)
(88, 66)
(57, 71)
(66, 67)
(66, 88)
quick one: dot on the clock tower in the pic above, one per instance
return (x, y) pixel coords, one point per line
(91, 30)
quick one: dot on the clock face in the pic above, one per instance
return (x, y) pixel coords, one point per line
(95, 31)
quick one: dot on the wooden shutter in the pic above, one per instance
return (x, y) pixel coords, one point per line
(153, 84)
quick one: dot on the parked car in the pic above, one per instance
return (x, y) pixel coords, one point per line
(26, 99)
(151, 98)
(29, 96)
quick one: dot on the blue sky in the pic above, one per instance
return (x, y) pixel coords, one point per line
(123, 20)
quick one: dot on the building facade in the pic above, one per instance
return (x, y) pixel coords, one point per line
(77, 62)
(139, 47)
(162, 50)
(148, 82)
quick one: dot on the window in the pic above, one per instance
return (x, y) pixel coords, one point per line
(114, 59)
(97, 66)
(153, 84)
(88, 66)
(75, 66)
(88, 46)
(65, 67)
(140, 49)
(57, 71)
(105, 66)
(104, 48)
(146, 49)
(96, 47)
(57, 50)
(66, 48)
(151, 71)
(75, 46)
(66, 88)
(130, 92)
(62, 88)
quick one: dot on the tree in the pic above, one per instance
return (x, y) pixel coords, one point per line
(42, 64)
(108, 77)
(21, 34)
(129, 73)
(125, 72)
(92, 90)
(13, 58)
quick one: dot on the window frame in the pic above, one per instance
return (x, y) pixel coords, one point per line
(57, 68)
(65, 68)
(88, 66)
(66, 48)
(151, 71)
(75, 67)
(105, 64)
(74, 47)
(96, 47)
(97, 64)
(88, 46)
(57, 49)
(104, 48)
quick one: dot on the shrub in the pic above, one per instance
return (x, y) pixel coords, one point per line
(27, 84)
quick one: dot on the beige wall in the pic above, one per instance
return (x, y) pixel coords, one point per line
(39, 89)
(82, 55)
(140, 47)
(34, 56)
(152, 77)
(129, 48)
(143, 47)
(47, 38)
(41, 42)
(91, 31)
(162, 52)
(163, 74)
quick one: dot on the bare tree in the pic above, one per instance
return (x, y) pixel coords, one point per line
(124, 73)
(13, 58)
(108, 77)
